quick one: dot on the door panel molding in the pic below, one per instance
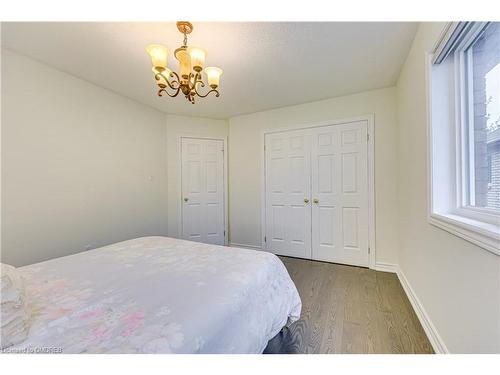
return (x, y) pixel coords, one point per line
(288, 215)
(180, 137)
(348, 171)
(346, 140)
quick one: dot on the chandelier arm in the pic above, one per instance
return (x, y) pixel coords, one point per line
(197, 79)
(191, 83)
(208, 93)
(174, 85)
(176, 81)
(173, 95)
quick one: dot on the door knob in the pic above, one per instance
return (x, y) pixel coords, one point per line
(316, 200)
(306, 201)
(186, 199)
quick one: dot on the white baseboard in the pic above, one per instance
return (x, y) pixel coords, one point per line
(244, 246)
(435, 339)
(386, 267)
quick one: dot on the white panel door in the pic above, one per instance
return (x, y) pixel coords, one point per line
(339, 171)
(288, 193)
(202, 190)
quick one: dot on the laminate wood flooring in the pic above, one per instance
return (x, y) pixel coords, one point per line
(349, 310)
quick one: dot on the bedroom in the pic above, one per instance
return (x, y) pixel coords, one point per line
(313, 186)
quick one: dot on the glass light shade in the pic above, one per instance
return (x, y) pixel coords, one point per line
(198, 56)
(213, 76)
(184, 58)
(158, 56)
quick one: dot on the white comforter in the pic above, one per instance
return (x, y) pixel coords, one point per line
(159, 295)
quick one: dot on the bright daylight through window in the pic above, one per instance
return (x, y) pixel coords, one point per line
(484, 91)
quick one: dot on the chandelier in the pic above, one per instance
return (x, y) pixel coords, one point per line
(191, 64)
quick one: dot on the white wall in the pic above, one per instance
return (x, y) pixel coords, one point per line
(76, 164)
(245, 167)
(178, 126)
(77, 161)
(457, 283)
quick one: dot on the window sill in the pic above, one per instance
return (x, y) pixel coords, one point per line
(482, 234)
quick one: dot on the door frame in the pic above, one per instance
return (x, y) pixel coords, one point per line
(370, 119)
(224, 182)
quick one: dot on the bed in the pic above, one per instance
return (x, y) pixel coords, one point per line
(158, 295)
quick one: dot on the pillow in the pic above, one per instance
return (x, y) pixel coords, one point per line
(15, 315)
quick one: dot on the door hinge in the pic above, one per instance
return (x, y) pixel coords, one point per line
(368, 250)
(265, 239)
(368, 137)
(224, 233)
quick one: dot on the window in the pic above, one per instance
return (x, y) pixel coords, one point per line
(483, 86)
(464, 129)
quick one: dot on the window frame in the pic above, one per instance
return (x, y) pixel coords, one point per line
(465, 117)
(479, 225)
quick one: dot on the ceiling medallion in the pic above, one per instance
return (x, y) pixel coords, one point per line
(191, 63)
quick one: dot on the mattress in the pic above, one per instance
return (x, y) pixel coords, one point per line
(159, 295)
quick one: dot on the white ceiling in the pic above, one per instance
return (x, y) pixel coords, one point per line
(266, 65)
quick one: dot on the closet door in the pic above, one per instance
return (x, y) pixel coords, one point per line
(203, 190)
(288, 193)
(339, 174)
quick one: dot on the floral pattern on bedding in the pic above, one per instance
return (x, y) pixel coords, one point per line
(160, 295)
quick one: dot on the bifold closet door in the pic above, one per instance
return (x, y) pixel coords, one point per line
(202, 190)
(340, 193)
(288, 191)
(317, 193)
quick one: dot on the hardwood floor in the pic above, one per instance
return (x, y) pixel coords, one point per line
(349, 310)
